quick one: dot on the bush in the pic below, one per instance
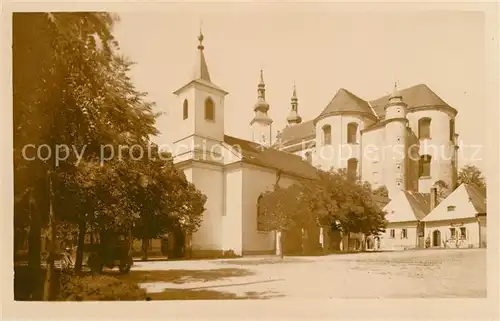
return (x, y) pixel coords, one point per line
(98, 288)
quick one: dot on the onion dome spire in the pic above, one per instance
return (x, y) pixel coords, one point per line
(294, 118)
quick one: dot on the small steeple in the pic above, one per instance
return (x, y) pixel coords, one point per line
(261, 104)
(201, 69)
(261, 122)
(294, 118)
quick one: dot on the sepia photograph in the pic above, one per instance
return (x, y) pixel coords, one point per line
(263, 152)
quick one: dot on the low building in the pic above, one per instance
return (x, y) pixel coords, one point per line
(404, 215)
(459, 220)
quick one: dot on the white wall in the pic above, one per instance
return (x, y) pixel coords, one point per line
(256, 181)
(232, 220)
(372, 166)
(399, 243)
(438, 146)
(472, 231)
(339, 152)
(209, 179)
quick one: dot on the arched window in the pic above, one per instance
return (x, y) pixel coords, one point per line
(352, 167)
(209, 109)
(185, 109)
(352, 133)
(425, 166)
(327, 135)
(260, 225)
(452, 130)
(424, 128)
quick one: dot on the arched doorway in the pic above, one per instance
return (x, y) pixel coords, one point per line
(436, 238)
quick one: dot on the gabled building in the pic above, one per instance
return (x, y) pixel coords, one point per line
(459, 220)
(404, 215)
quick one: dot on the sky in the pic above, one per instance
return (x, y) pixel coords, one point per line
(317, 47)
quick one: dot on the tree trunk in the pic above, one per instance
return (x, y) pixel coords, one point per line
(81, 243)
(50, 281)
(348, 240)
(282, 248)
(34, 250)
(145, 248)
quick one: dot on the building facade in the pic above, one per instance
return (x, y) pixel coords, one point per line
(404, 141)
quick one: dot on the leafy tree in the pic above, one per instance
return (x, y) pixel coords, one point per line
(278, 210)
(381, 191)
(442, 189)
(70, 88)
(472, 175)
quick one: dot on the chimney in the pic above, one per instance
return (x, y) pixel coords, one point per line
(433, 197)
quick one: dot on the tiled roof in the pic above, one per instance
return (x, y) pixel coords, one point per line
(415, 96)
(477, 198)
(420, 203)
(346, 101)
(297, 132)
(271, 158)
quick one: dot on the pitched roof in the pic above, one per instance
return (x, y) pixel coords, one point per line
(201, 74)
(297, 132)
(420, 203)
(416, 96)
(408, 206)
(477, 198)
(346, 101)
(467, 201)
(271, 158)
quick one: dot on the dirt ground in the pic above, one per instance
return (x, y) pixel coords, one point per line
(405, 274)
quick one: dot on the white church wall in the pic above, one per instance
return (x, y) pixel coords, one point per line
(339, 151)
(179, 128)
(438, 146)
(232, 220)
(256, 181)
(372, 166)
(209, 128)
(209, 179)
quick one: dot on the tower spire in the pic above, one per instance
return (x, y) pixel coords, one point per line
(261, 122)
(201, 71)
(294, 118)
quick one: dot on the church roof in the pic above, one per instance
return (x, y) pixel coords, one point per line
(259, 155)
(297, 133)
(416, 96)
(346, 101)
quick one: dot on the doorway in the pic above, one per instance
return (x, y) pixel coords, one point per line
(436, 238)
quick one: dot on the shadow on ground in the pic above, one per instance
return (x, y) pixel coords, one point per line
(270, 260)
(180, 276)
(188, 294)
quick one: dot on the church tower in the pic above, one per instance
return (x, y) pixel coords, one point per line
(261, 122)
(197, 119)
(395, 157)
(294, 118)
(196, 127)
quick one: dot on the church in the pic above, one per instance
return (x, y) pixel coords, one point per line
(404, 141)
